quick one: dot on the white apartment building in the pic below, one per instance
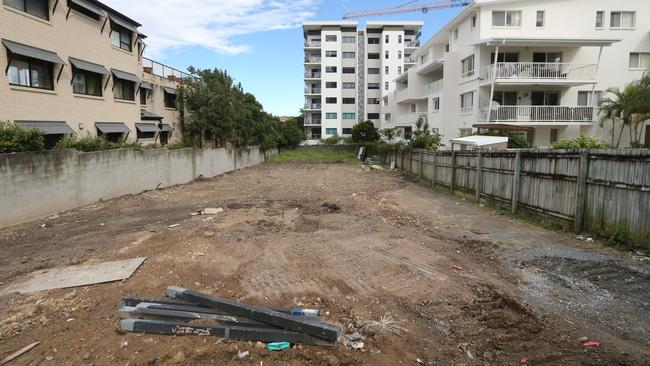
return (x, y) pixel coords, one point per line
(348, 71)
(538, 66)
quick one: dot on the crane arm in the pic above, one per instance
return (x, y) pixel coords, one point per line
(424, 8)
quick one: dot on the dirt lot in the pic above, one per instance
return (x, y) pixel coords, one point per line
(523, 294)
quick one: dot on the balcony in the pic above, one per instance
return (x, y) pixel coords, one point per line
(312, 90)
(313, 106)
(540, 114)
(312, 59)
(412, 44)
(312, 75)
(433, 88)
(548, 73)
(313, 44)
(409, 60)
(312, 121)
(412, 118)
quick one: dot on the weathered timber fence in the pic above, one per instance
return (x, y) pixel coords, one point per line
(600, 191)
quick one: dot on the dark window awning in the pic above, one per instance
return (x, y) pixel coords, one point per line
(147, 127)
(125, 75)
(164, 127)
(112, 127)
(169, 90)
(88, 66)
(86, 6)
(33, 52)
(47, 127)
(123, 23)
(145, 85)
(148, 116)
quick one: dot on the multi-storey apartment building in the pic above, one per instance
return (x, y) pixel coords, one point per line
(537, 66)
(349, 70)
(76, 67)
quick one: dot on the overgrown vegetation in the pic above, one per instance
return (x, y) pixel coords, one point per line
(16, 139)
(332, 140)
(581, 142)
(316, 155)
(213, 107)
(516, 140)
(629, 108)
(390, 134)
(423, 137)
(365, 132)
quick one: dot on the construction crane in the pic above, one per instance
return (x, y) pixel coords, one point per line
(409, 7)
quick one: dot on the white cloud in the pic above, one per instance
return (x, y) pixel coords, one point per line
(174, 24)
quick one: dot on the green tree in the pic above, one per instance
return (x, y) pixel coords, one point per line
(16, 139)
(390, 133)
(290, 134)
(630, 107)
(423, 137)
(365, 132)
(581, 142)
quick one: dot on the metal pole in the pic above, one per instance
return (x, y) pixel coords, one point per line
(494, 79)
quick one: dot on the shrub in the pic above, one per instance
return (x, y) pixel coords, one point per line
(516, 140)
(334, 140)
(581, 142)
(423, 137)
(290, 134)
(16, 139)
(365, 132)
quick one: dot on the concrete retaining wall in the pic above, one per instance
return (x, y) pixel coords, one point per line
(34, 185)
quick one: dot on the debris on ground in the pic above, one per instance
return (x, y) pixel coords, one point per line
(173, 226)
(74, 276)
(18, 353)
(278, 346)
(592, 344)
(332, 207)
(457, 267)
(208, 211)
(385, 325)
(224, 318)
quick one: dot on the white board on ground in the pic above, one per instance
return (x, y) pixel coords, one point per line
(74, 276)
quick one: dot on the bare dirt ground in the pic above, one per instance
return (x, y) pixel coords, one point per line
(523, 292)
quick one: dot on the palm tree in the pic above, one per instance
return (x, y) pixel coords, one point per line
(618, 106)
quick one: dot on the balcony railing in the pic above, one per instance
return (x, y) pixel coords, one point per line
(313, 75)
(401, 95)
(312, 90)
(527, 113)
(313, 121)
(409, 60)
(412, 118)
(313, 59)
(164, 71)
(313, 44)
(434, 87)
(412, 43)
(312, 105)
(539, 70)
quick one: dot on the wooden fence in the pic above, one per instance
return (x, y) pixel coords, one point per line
(601, 191)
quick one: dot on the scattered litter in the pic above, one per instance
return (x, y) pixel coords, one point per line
(457, 267)
(354, 336)
(386, 324)
(74, 276)
(49, 358)
(590, 240)
(69, 320)
(376, 167)
(208, 211)
(124, 344)
(357, 345)
(173, 226)
(584, 340)
(523, 361)
(208, 219)
(331, 207)
(392, 166)
(591, 344)
(18, 353)
(54, 217)
(420, 361)
(242, 354)
(278, 346)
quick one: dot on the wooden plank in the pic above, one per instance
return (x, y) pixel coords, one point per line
(18, 353)
(326, 331)
(223, 331)
(479, 168)
(453, 171)
(516, 179)
(434, 175)
(581, 192)
(187, 306)
(420, 172)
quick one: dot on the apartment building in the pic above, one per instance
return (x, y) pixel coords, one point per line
(349, 70)
(535, 66)
(76, 67)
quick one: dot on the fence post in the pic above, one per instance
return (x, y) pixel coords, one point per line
(453, 170)
(515, 182)
(421, 161)
(479, 171)
(434, 175)
(411, 162)
(581, 191)
(401, 156)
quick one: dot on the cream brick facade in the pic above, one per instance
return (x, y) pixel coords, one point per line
(70, 33)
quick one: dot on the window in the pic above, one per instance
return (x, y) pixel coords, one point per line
(349, 70)
(373, 56)
(584, 98)
(373, 100)
(330, 38)
(86, 82)
(330, 100)
(347, 131)
(349, 39)
(348, 100)
(455, 33)
(467, 67)
(373, 86)
(600, 19)
(399, 70)
(120, 37)
(169, 99)
(399, 55)
(436, 103)
(143, 96)
(548, 57)
(30, 72)
(639, 60)
(374, 71)
(373, 115)
(386, 85)
(123, 89)
(387, 117)
(509, 18)
(348, 115)
(386, 101)
(386, 70)
(330, 69)
(467, 102)
(399, 39)
(387, 38)
(387, 55)
(37, 8)
(330, 54)
(349, 86)
(505, 57)
(330, 84)
(473, 21)
(332, 131)
(539, 20)
(414, 108)
(554, 135)
(373, 40)
(622, 20)
(330, 116)
(349, 55)
(465, 132)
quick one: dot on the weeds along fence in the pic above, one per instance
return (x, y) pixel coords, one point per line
(602, 191)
